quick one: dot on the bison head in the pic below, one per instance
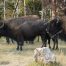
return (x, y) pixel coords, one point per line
(55, 26)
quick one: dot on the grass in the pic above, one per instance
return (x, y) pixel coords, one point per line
(42, 64)
(9, 56)
(60, 60)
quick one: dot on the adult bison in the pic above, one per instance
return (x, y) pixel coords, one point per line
(22, 31)
(62, 19)
(53, 30)
(27, 30)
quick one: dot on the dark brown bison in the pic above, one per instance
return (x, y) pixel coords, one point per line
(54, 29)
(22, 30)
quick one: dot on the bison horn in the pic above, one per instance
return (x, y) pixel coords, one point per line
(1, 24)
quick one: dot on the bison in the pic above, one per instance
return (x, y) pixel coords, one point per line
(54, 29)
(21, 30)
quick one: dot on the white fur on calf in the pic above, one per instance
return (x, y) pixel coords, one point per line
(44, 54)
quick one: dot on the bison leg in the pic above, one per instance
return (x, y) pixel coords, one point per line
(7, 40)
(44, 41)
(49, 43)
(56, 43)
(12, 41)
(20, 45)
(20, 42)
(17, 46)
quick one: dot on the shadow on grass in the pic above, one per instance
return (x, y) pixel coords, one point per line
(29, 49)
(4, 62)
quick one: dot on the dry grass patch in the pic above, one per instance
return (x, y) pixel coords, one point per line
(9, 56)
(43, 64)
(60, 59)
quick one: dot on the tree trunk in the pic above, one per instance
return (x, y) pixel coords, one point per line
(43, 10)
(16, 10)
(24, 8)
(54, 9)
(4, 10)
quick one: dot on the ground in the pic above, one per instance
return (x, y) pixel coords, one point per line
(9, 56)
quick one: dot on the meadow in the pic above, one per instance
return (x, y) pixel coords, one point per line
(9, 56)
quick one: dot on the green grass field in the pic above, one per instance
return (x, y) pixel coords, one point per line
(9, 56)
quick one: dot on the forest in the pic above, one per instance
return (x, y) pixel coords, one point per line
(31, 25)
(45, 9)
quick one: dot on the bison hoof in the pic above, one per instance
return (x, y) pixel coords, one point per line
(50, 47)
(20, 49)
(53, 48)
(17, 48)
(57, 48)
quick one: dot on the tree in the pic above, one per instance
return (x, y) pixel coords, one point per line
(4, 10)
(46, 9)
(1, 9)
(33, 7)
